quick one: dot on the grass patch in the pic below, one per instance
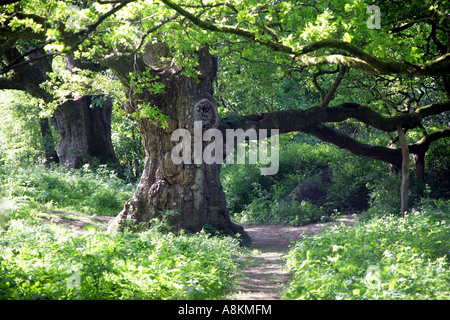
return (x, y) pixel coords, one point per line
(37, 188)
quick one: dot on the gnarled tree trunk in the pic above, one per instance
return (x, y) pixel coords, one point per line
(85, 131)
(191, 192)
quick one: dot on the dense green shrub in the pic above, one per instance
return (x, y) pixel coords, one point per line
(20, 137)
(260, 199)
(264, 210)
(384, 195)
(437, 169)
(300, 157)
(389, 257)
(45, 261)
(39, 261)
(237, 181)
(347, 191)
(298, 214)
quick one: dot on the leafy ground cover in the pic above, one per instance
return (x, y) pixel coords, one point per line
(43, 260)
(388, 257)
(380, 257)
(35, 188)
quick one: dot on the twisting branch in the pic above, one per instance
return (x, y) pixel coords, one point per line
(316, 84)
(325, 99)
(156, 27)
(329, 96)
(357, 57)
(422, 145)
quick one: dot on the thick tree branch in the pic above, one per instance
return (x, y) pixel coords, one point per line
(312, 120)
(122, 65)
(298, 119)
(388, 155)
(11, 83)
(432, 109)
(422, 145)
(28, 75)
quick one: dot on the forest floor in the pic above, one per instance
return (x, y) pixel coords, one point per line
(265, 276)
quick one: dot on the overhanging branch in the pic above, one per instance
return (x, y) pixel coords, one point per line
(356, 58)
(297, 119)
(312, 121)
(422, 145)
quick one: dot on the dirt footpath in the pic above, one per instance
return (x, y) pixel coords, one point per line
(266, 276)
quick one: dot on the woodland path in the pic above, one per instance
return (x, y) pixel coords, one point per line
(266, 275)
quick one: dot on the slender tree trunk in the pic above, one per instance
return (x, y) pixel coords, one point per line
(419, 166)
(85, 131)
(48, 142)
(405, 170)
(189, 195)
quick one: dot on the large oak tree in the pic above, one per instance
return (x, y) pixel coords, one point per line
(385, 67)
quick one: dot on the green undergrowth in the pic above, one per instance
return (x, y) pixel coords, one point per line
(45, 261)
(384, 258)
(88, 190)
(40, 259)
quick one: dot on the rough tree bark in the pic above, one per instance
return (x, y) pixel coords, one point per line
(85, 131)
(192, 192)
